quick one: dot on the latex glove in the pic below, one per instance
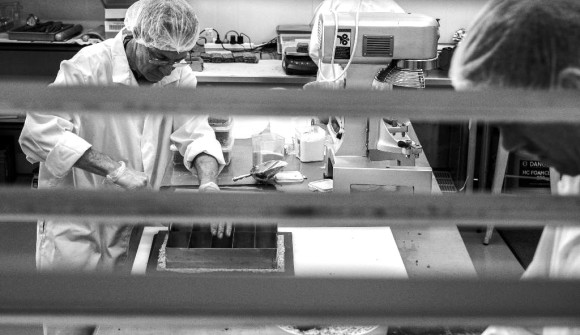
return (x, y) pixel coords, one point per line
(128, 178)
(209, 187)
(324, 85)
(217, 229)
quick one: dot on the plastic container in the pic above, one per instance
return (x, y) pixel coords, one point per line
(309, 145)
(267, 146)
(227, 151)
(223, 129)
(289, 177)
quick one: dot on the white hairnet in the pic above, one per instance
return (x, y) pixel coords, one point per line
(169, 25)
(518, 44)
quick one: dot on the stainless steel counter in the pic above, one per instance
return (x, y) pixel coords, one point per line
(270, 71)
(431, 252)
(267, 71)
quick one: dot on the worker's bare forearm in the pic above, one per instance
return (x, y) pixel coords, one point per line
(207, 168)
(97, 163)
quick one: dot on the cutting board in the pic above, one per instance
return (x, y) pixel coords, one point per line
(345, 252)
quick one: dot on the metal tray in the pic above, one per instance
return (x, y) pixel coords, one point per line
(158, 246)
(249, 247)
(67, 31)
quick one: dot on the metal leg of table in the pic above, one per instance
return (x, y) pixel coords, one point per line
(471, 149)
(498, 179)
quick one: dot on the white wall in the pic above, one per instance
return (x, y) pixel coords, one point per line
(258, 18)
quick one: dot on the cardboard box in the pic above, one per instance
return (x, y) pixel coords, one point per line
(115, 11)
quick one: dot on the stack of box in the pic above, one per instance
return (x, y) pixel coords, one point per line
(221, 56)
(228, 58)
(216, 58)
(205, 56)
(290, 35)
(222, 126)
(250, 57)
(238, 56)
(115, 11)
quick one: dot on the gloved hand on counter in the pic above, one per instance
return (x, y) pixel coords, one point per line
(217, 229)
(128, 178)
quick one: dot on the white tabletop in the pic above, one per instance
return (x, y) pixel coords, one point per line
(323, 252)
(318, 252)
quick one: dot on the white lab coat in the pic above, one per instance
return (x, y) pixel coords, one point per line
(557, 256)
(328, 71)
(57, 140)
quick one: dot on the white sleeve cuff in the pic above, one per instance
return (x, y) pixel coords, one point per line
(207, 145)
(67, 151)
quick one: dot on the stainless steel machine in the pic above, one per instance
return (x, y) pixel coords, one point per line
(377, 51)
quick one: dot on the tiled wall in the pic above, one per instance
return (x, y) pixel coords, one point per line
(258, 18)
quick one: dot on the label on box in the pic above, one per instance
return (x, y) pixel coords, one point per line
(343, 40)
(534, 169)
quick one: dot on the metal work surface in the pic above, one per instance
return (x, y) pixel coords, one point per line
(271, 71)
(427, 251)
(265, 71)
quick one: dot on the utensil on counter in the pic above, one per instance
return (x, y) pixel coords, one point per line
(53, 31)
(263, 172)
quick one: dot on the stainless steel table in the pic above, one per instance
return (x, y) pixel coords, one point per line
(431, 252)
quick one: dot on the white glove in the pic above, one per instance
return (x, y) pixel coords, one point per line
(209, 187)
(217, 229)
(324, 85)
(128, 178)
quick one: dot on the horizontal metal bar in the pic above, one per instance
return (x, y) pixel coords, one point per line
(440, 105)
(269, 300)
(294, 209)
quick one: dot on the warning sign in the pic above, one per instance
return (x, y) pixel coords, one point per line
(343, 44)
(537, 172)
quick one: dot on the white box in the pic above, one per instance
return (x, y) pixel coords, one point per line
(114, 20)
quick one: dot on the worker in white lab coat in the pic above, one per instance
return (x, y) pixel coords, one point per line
(329, 75)
(88, 151)
(532, 44)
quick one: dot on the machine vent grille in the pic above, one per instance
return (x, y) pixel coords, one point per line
(445, 181)
(378, 46)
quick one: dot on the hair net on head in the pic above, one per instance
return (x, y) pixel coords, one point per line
(518, 44)
(169, 25)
